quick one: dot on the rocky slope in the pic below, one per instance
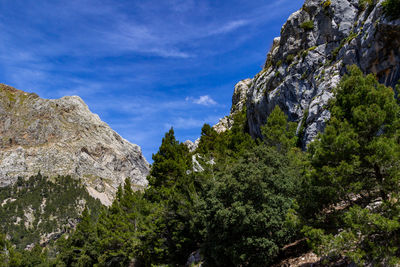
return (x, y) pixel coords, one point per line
(307, 61)
(62, 137)
(238, 103)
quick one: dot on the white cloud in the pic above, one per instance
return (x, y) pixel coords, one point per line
(204, 100)
(230, 26)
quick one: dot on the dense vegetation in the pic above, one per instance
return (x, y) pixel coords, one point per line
(355, 173)
(391, 8)
(240, 201)
(39, 210)
(39, 206)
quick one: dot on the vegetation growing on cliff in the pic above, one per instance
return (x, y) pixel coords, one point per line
(253, 197)
(391, 8)
(39, 209)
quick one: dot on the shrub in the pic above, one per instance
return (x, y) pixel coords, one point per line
(289, 59)
(326, 4)
(248, 210)
(307, 25)
(391, 9)
(364, 3)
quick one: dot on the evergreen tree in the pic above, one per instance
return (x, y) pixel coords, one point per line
(357, 161)
(171, 186)
(359, 151)
(170, 162)
(246, 211)
(247, 207)
(278, 132)
(80, 248)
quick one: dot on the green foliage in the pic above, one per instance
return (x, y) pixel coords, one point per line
(115, 238)
(249, 200)
(248, 206)
(359, 149)
(246, 209)
(172, 188)
(289, 59)
(363, 4)
(153, 227)
(9, 256)
(170, 162)
(367, 237)
(51, 205)
(221, 147)
(301, 132)
(307, 25)
(326, 4)
(391, 9)
(357, 159)
(278, 132)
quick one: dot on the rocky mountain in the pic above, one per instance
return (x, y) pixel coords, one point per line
(62, 137)
(307, 61)
(238, 103)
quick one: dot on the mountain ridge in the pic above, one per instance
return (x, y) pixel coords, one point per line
(63, 137)
(306, 62)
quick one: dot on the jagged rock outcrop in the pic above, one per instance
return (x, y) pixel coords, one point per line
(238, 103)
(307, 61)
(192, 145)
(62, 137)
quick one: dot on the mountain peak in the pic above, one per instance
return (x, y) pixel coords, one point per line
(63, 137)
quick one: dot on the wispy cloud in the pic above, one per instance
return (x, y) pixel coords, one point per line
(133, 62)
(230, 26)
(204, 100)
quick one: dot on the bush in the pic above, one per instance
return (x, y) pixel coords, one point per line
(289, 59)
(247, 208)
(363, 4)
(391, 9)
(327, 4)
(307, 25)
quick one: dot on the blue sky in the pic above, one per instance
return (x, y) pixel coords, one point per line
(142, 66)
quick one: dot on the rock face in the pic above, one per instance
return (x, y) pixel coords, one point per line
(307, 61)
(62, 137)
(238, 103)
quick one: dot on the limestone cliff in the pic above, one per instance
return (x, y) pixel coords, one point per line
(62, 137)
(307, 61)
(238, 103)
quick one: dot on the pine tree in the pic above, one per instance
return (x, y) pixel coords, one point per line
(171, 186)
(247, 206)
(355, 174)
(359, 151)
(278, 132)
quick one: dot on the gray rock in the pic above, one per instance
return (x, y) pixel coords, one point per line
(195, 259)
(62, 137)
(303, 66)
(239, 99)
(192, 145)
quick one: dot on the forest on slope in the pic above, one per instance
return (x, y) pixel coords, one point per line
(253, 197)
(235, 201)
